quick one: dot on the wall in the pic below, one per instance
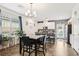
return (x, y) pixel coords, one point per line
(74, 38)
(29, 26)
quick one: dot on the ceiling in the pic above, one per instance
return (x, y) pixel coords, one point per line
(52, 11)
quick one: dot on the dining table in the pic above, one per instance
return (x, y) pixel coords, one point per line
(34, 39)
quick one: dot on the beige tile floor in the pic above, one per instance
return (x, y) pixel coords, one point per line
(60, 48)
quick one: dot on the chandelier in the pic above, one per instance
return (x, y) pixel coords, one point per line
(30, 12)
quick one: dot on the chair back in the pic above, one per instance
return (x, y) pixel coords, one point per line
(25, 40)
(45, 39)
(42, 39)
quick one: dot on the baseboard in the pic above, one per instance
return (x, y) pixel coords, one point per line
(73, 49)
(76, 51)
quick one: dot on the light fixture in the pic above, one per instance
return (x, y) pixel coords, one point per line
(30, 12)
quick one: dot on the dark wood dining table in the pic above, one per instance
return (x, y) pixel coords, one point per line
(34, 39)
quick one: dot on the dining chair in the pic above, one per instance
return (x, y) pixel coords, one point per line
(42, 45)
(27, 45)
(51, 38)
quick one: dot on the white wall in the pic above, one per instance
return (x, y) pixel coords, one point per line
(51, 25)
(74, 39)
(29, 25)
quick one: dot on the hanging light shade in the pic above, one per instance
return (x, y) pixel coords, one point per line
(30, 12)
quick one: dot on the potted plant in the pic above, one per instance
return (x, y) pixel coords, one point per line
(19, 33)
